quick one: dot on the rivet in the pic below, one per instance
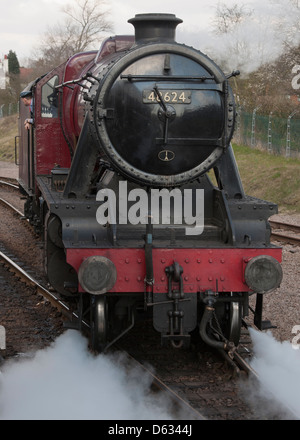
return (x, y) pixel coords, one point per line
(210, 260)
(127, 260)
(186, 278)
(210, 278)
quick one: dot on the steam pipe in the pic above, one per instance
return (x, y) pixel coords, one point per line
(208, 312)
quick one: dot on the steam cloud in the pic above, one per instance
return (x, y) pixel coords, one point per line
(66, 382)
(278, 366)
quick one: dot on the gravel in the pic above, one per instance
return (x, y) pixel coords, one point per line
(282, 306)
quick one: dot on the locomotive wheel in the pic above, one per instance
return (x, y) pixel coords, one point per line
(235, 322)
(229, 316)
(54, 231)
(99, 322)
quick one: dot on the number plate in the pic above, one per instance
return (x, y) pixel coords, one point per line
(168, 96)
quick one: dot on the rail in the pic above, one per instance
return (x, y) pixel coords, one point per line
(284, 237)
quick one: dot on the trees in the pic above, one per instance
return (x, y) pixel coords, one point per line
(14, 87)
(274, 86)
(13, 63)
(238, 37)
(227, 18)
(265, 48)
(288, 22)
(85, 22)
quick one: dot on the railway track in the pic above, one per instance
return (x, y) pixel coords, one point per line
(9, 182)
(285, 236)
(30, 281)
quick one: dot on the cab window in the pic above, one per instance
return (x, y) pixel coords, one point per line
(50, 99)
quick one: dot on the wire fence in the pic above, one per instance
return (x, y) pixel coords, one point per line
(8, 109)
(279, 136)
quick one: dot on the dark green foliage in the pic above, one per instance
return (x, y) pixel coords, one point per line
(13, 63)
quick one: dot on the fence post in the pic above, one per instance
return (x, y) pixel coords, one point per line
(238, 123)
(270, 134)
(253, 127)
(288, 134)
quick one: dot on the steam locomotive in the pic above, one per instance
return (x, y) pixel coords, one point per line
(130, 177)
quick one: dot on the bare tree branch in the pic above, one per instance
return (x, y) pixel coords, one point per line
(288, 22)
(89, 21)
(228, 17)
(83, 27)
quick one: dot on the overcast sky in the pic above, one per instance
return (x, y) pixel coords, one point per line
(22, 22)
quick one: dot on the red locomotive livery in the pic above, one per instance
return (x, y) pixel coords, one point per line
(158, 117)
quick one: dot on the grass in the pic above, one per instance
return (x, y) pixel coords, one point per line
(8, 131)
(268, 177)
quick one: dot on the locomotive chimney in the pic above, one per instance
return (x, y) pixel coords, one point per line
(154, 27)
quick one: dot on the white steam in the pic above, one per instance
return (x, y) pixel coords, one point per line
(67, 382)
(278, 367)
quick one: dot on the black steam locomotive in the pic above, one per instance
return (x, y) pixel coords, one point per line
(131, 178)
